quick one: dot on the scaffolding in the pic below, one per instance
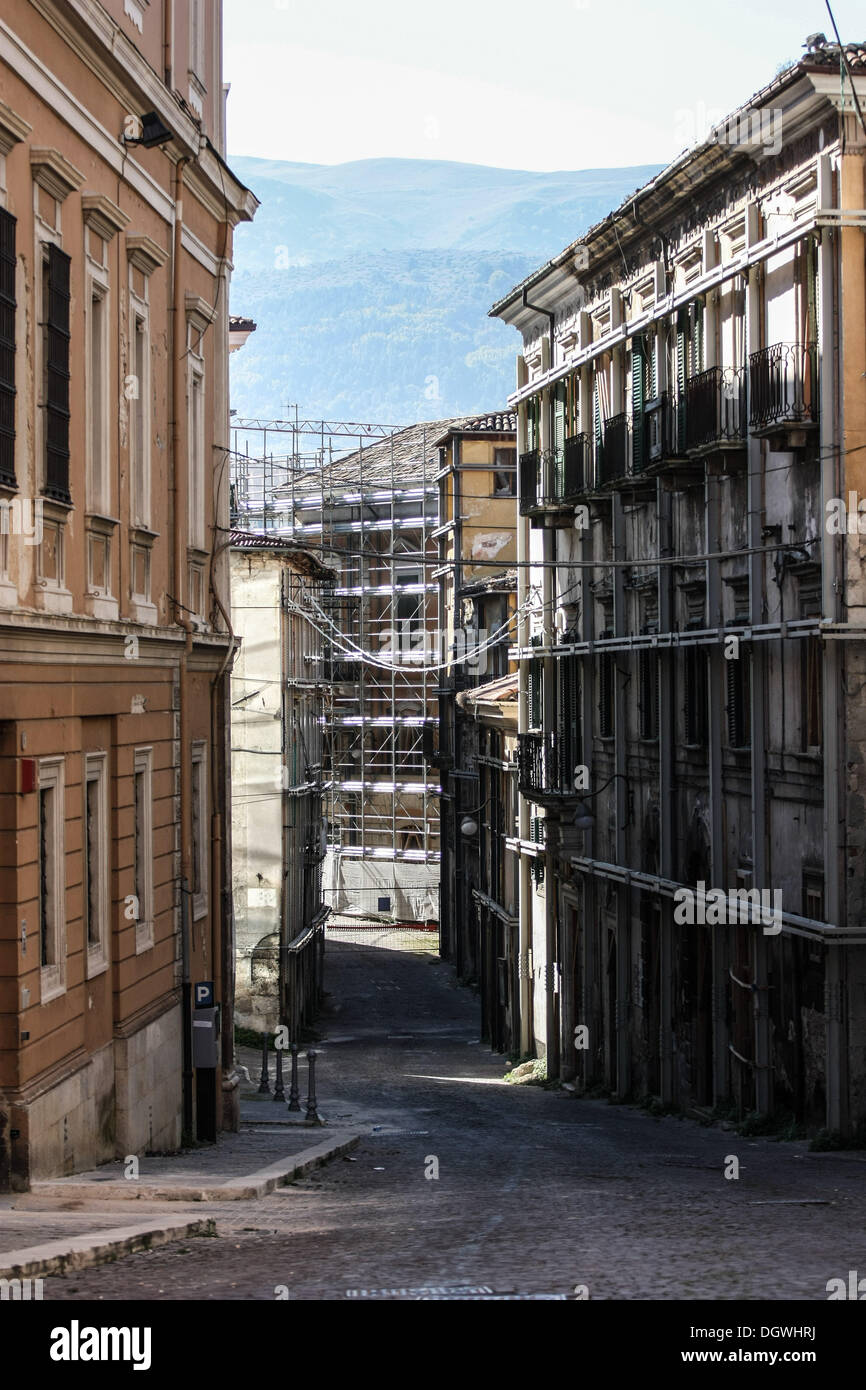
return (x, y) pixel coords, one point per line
(365, 498)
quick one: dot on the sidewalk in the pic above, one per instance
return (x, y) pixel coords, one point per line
(68, 1223)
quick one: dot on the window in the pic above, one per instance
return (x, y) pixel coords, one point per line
(536, 688)
(7, 347)
(813, 894)
(95, 880)
(196, 37)
(648, 694)
(55, 359)
(606, 691)
(739, 693)
(142, 858)
(98, 488)
(812, 693)
(196, 460)
(200, 858)
(139, 425)
(408, 609)
(51, 858)
(504, 473)
(695, 696)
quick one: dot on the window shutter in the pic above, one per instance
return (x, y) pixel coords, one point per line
(697, 344)
(7, 347)
(638, 401)
(605, 692)
(535, 690)
(559, 412)
(57, 375)
(682, 328)
(652, 363)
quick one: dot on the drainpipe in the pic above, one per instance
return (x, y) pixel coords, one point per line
(167, 45)
(549, 315)
(524, 937)
(179, 519)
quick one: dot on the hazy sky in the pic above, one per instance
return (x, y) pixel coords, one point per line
(527, 84)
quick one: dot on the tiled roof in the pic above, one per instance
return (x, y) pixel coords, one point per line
(500, 691)
(826, 55)
(239, 324)
(305, 560)
(407, 456)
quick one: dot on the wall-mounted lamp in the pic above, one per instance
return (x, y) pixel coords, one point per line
(152, 131)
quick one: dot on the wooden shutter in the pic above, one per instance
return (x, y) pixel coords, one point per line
(697, 337)
(638, 401)
(7, 347)
(56, 311)
(535, 689)
(605, 692)
(682, 347)
(559, 414)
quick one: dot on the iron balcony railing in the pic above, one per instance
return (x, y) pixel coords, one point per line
(544, 767)
(612, 450)
(783, 385)
(529, 480)
(576, 467)
(664, 429)
(555, 477)
(715, 407)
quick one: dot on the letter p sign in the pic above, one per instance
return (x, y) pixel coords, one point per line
(204, 994)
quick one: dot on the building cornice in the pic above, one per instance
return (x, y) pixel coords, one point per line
(54, 172)
(13, 128)
(104, 216)
(144, 253)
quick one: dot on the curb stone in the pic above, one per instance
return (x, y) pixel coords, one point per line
(97, 1247)
(251, 1185)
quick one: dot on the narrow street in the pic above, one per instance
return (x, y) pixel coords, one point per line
(538, 1192)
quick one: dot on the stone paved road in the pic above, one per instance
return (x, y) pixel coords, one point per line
(538, 1191)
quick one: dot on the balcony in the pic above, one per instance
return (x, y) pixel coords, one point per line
(612, 451)
(783, 393)
(545, 770)
(715, 409)
(529, 481)
(665, 431)
(555, 479)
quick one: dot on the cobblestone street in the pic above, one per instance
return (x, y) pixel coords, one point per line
(538, 1192)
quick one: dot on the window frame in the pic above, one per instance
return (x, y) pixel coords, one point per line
(51, 776)
(95, 773)
(199, 842)
(142, 766)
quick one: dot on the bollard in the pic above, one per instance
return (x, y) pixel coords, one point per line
(279, 1089)
(264, 1088)
(294, 1093)
(312, 1116)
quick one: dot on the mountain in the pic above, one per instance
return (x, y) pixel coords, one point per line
(370, 282)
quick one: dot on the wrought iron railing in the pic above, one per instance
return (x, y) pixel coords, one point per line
(529, 480)
(783, 385)
(612, 451)
(715, 407)
(544, 766)
(664, 429)
(555, 477)
(303, 977)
